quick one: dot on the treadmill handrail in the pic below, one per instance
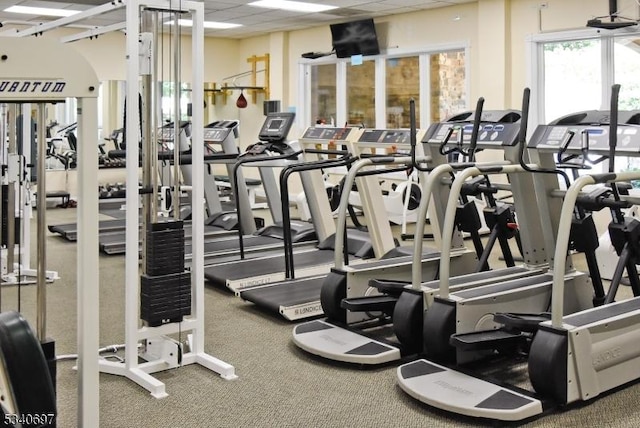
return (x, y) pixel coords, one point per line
(345, 159)
(234, 176)
(344, 198)
(185, 157)
(564, 229)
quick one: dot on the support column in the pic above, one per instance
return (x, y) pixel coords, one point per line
(279, 67)
(88, 266)
(494, 47)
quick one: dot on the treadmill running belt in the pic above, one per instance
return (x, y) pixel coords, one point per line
(232, 243)
(69, 231)
(287, 293)
(249, 268)
(114, 243)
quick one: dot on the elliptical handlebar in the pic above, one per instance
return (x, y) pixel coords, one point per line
(470, 152)
(613, 142)
(522, 142)
(476, 127)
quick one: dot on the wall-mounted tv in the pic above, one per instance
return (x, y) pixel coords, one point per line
(355, 38)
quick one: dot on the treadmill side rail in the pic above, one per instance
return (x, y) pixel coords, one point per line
(302, 311)
(450, 390)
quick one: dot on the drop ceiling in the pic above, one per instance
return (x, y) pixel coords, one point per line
(255, 21)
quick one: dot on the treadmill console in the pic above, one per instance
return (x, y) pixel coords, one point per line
(386, 138)
(166, 132)
(217, 132)
(276, 126)
(497, 128)
(215, 135)
(326, 133)
(589, 129)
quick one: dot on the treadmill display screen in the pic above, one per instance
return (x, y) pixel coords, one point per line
(370, 136)
(396, 137)
(275, 124)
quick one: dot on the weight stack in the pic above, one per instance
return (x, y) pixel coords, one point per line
(165, 289)
(5, 221)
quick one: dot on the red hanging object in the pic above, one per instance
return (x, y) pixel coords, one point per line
(241, 102)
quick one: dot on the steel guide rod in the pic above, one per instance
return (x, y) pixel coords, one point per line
(176, 119)
(41, 283)
(3, 133)
(12, 117)
(147, 152)
(155, 115)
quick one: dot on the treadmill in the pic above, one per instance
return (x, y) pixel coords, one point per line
(219, 138)
(573, 358)
(243, 274)
(299, 298)
(267, 155)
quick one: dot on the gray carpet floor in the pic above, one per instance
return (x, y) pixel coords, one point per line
(278, 385)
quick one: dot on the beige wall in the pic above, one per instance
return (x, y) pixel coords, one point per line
(495, 30)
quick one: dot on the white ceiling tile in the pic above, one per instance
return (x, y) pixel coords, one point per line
(254, 21)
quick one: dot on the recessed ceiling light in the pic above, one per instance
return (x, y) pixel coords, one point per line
(296, 6)
(207, 24)
(43, 11)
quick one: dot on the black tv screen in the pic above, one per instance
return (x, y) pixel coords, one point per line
(355, 38)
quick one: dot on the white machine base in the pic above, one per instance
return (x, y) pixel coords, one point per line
(449, 390)
(27, 276)
(335, 343)
(163, 353)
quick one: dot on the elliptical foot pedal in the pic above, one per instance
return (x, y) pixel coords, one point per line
(370, 304)
(521, 322)
(487, 340)
(388, 287)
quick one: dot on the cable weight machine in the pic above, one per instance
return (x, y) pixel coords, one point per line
(151, 316)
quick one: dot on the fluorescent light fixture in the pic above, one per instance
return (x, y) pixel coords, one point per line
(42, 11)
(207, 24)
(296, 6)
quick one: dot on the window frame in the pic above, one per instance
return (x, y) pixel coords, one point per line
(303, 116)
(535, 68)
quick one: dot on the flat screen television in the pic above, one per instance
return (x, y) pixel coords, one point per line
(355, 38)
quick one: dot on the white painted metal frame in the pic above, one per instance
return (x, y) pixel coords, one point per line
(94, 32)
(40, 28)
(130, 368)
(50, 62)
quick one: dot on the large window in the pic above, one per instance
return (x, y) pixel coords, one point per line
(448, 84)
(626, 55)
(323, 93)
(168, 101)
(574, 71)
(361, 94)
(402, 84)
(376, 92)
(572, 76)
